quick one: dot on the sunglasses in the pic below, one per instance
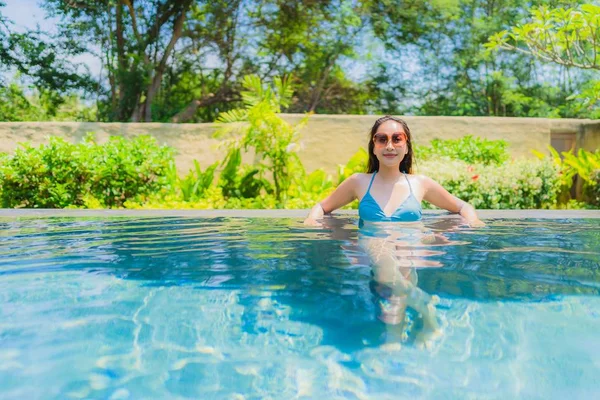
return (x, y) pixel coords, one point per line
(398, 139)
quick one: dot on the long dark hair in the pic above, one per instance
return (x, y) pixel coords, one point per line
(407, 161)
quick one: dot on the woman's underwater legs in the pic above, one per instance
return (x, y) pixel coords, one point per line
(397, 279)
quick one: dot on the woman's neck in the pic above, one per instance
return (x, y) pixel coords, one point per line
(389, 174)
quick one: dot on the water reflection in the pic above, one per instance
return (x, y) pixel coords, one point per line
(395, 253)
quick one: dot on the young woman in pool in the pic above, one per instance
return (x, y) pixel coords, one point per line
(389, 193)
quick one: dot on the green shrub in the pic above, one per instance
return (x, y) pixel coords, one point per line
(62, 174)
(242, 181)
(592, 188)
(584, 164)
(357, 163)
(523, 184)
(49, 176)
(471, 149)
(196, 182)
(122, 169)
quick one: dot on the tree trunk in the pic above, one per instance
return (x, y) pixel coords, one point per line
(160, 70)
(143, 111)
(316, 94)
(122, 62)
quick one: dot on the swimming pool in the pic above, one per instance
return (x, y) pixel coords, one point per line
(249, 308)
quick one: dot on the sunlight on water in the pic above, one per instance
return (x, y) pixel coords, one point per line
(227, 308)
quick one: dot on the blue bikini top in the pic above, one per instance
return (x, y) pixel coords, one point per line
(408, 211)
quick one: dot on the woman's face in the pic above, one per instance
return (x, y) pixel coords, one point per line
(390, 145)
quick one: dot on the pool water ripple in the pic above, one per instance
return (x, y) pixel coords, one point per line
(257, 308)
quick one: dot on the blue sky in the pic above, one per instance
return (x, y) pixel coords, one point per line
(26, 14)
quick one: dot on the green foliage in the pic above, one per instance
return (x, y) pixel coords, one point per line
(185, 61)
(49, 176)
(566, 36)
(584, 164)
(358, 163)
(241, 181)
(196, 182)
(563, 36)
(14, 105)
(45, 105)
(138, 173)
(523, 184)
(316, 182)
(587, 166)
(471, 149)
(592, 191)
(258, 128)
(121, 169)
(62, 174)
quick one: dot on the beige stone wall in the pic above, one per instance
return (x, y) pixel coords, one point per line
(588, 137)
(328, 140)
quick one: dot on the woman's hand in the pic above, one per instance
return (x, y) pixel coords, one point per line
(316, 213)
(477, 223)
(468, 212)
(312, 222)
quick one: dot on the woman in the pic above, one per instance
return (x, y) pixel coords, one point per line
(390, 193)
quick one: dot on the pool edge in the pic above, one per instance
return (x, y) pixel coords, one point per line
(263, 213)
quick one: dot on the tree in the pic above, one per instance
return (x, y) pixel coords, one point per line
(452, 74)
(308, 40)
(136, 39)
(42, 62)
(569, 37)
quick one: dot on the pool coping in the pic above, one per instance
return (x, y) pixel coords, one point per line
(253, 213)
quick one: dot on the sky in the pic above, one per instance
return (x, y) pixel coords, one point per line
(26, 14)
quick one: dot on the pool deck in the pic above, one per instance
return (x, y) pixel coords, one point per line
(483, 214)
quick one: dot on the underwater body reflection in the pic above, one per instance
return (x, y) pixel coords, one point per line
(395, 252)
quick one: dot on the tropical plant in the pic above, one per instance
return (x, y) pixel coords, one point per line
(196, 182)
(257, 127)
(238, 180)
(356, 164)
(593, 191)
(583, 164)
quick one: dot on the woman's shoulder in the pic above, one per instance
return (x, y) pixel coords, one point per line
(419, 178)
(419, 183)
(360, 177)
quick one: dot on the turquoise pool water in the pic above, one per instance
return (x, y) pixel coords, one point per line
(235, 308)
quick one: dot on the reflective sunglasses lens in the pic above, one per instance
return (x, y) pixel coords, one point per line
(381, 140)
(398, 138)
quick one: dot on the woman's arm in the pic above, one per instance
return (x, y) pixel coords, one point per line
(344, 194)
(440, 197)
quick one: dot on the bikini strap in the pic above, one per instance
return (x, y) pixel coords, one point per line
(370, 183)
(408, 181)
